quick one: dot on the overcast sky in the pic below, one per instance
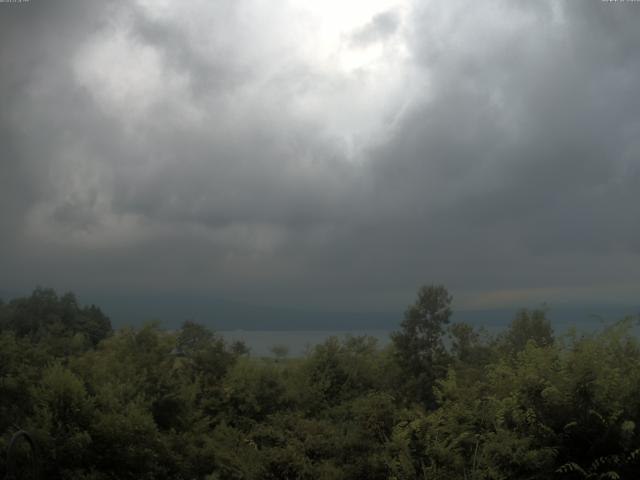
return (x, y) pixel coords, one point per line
(325, 153)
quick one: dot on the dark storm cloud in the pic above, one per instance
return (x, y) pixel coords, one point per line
(36, 38)
(165, 198)
(174, 166)
(523, 153)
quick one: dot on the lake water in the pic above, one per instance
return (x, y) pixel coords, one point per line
(299, 341)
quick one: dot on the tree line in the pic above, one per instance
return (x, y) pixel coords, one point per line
(442, 401)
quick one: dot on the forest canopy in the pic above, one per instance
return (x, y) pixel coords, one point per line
(442, 400)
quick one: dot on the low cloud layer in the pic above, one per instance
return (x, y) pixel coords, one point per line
(312, 156)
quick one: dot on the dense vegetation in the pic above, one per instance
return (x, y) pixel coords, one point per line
(443, 401)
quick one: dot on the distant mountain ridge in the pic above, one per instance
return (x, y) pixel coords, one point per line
(227, 315)
(230, 315)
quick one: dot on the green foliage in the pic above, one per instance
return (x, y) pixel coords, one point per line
(337, 371)
(527, 327)
(419, 345)
(254, 390)
(45, 315)
(150, 404)
(280, 351)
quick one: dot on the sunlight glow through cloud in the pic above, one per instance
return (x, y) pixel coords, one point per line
(352, 89)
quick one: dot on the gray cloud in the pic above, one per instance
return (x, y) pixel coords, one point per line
(381, 26)
(518, 151)
(143, 153)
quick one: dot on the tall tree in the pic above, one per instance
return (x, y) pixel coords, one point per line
(419, 348)
(528, 326)
(44, 314)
